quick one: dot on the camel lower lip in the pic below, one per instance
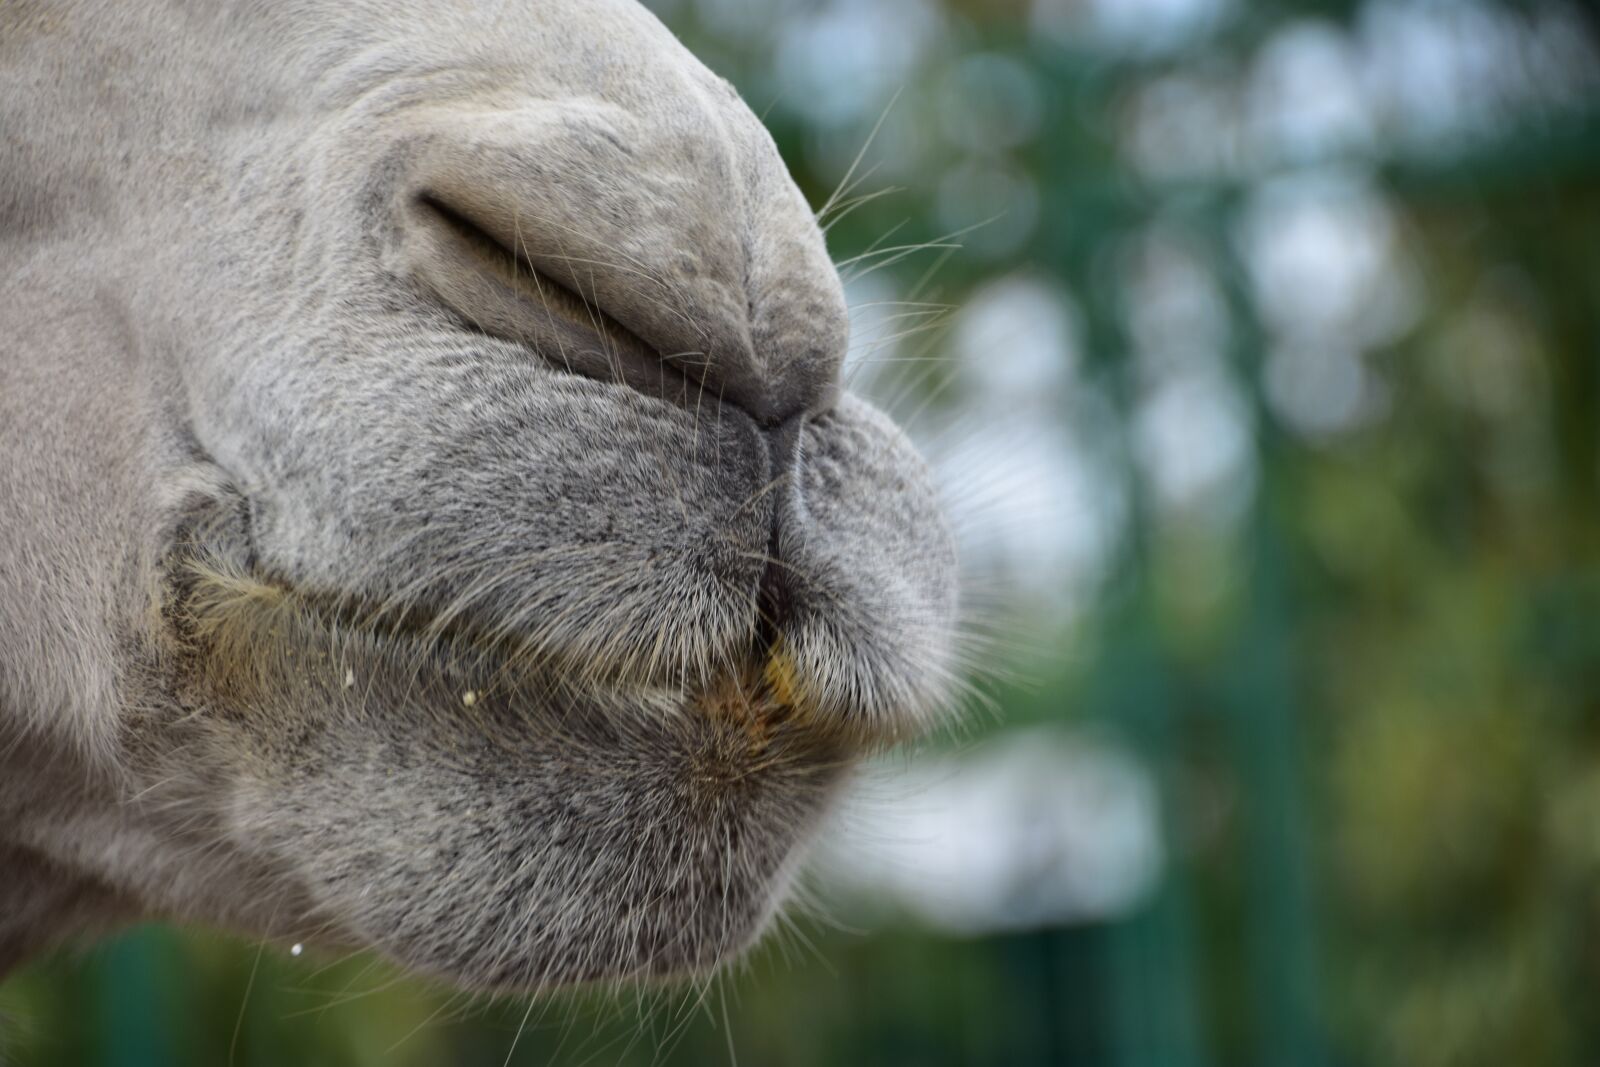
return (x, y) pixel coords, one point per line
(535, 832)
(662, 846)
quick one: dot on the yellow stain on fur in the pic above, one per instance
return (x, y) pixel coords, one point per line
(780, 676)
(240, 623)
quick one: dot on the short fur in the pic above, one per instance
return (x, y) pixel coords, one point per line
(429, 519)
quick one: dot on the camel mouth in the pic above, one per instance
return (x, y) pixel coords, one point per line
(725, 781)
(248, 631)
(379, 726)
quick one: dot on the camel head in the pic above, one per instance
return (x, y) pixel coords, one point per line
(430, 517)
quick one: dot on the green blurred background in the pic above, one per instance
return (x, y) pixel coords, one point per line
(1265, 388)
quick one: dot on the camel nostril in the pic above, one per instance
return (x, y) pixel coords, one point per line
(507, 285)
(709, 281)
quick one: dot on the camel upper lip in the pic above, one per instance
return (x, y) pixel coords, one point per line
(213, 567)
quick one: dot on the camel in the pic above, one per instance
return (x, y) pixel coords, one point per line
(431, 520)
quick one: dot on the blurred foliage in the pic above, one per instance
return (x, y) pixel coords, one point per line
(1332, 277)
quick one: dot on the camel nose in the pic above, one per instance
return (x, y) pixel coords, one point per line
(656, 254)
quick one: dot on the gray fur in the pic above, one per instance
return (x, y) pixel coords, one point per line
(429, 519)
